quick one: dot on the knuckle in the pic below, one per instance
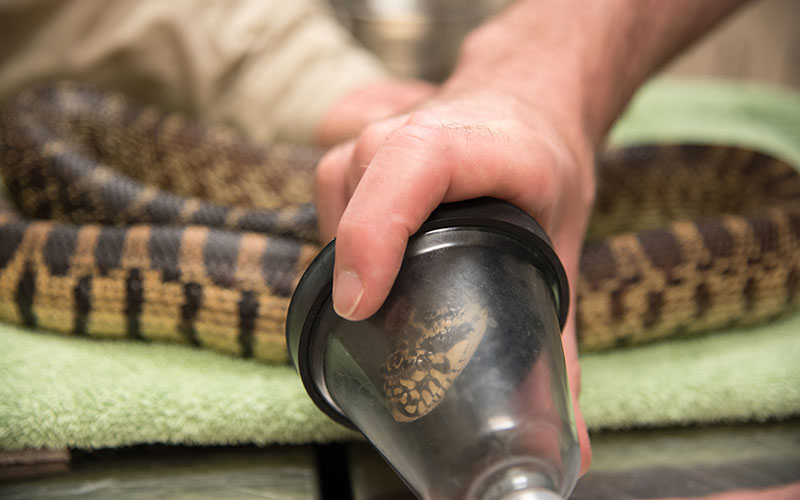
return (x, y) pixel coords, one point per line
(374, 132)
(394, 228)
(355, 240)
(368, 142)
(327, 169)
(423, 117)
(350, 227)
(548, 185)
(362, 156)
(422, 137)
(402, 224)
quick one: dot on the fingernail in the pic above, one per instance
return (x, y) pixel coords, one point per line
(347, 293)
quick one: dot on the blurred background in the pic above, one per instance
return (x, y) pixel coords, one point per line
(761, 42)
(420, 38)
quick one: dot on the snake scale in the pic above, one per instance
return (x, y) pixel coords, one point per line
(124, 222)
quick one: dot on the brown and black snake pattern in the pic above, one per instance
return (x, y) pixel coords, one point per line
(129, 223)
(107, 239)
(704, 237)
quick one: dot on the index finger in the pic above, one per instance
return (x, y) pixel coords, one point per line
(416, 169)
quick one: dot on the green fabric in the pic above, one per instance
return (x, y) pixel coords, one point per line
(713, 111)
(60, 391)
(746, 375)
(57, 391)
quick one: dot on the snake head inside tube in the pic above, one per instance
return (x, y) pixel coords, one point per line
(430, 350)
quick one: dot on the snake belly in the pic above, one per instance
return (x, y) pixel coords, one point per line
(125, 222)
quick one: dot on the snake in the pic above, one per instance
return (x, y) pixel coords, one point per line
(121, 221)
(431, 345)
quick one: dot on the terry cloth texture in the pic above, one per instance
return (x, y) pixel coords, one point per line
(57, 391)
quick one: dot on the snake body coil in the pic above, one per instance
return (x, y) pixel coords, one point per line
(153, 228)
(130, 223)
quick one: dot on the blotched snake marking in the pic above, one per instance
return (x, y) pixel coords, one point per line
(126, 222)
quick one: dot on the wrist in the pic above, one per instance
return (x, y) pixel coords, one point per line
(543, 66)
(581, 61)
(538, 52)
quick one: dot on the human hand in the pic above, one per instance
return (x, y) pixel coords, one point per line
(534, 93)
(369, 103)
(373, 192)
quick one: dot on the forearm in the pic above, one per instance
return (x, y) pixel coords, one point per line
(581, 61)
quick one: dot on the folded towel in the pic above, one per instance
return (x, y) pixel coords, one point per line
(76, 392)
(745, 375)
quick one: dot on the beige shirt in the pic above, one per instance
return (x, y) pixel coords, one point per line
(270, 68)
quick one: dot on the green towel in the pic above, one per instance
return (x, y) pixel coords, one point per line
(57, 391)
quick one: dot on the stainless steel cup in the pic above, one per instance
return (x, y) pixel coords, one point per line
(415, 38)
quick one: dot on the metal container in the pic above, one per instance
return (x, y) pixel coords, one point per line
(415, 38)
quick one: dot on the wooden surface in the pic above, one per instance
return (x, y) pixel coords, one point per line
(175, 473)
(640, 464)
(647, 464)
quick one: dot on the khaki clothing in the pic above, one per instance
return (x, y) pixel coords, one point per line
(270, 68)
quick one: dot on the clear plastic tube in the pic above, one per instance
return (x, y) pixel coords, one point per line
(459, 380)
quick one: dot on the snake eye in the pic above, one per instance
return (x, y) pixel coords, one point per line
(423, 364)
